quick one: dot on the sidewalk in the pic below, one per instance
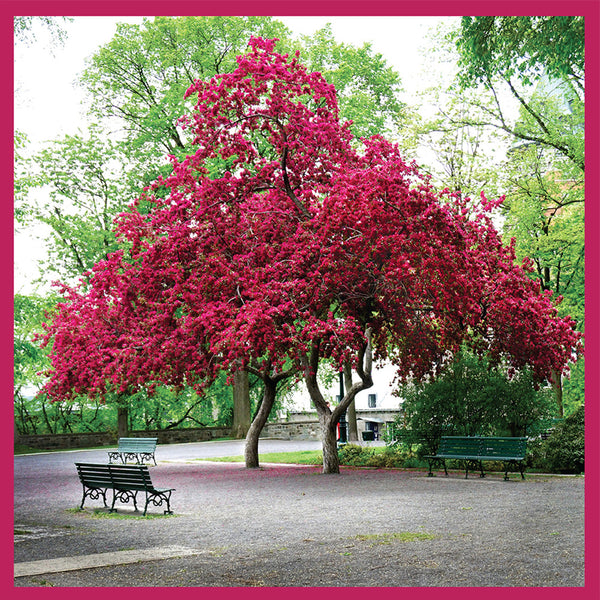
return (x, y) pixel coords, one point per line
(293, 526)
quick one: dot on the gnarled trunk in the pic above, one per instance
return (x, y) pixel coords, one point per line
(328, 419)
(331, 460)
(251, 450)
(241, 405)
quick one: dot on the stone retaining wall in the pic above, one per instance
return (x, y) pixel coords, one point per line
(299, 430)
(90, 440)
(304, 428)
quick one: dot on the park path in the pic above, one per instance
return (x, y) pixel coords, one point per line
(288, 526)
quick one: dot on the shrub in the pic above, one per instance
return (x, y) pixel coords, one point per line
(564, 450)
(353, 455)
(386, 457)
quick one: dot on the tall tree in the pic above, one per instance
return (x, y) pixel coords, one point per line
(278, 245)
(512, 55)
(140, 78)
(538, 64)
(82, 188)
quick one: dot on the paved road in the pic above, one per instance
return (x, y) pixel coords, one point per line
(293, 526)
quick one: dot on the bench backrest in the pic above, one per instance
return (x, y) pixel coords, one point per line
(502, 447)
(459, 446)
(125, 477)
(137, 444)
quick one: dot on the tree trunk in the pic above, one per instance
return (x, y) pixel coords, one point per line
(241, 405)
(331, 460)
(351, 415)
(122, 421)
(328, 418)
(352, 424)
(251, 450)
(556, 382)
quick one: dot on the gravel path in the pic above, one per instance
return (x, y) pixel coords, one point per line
(293, 526)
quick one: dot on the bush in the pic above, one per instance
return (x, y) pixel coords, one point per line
(387, 457)
(564, 450)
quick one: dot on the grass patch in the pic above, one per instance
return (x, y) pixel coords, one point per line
(301, 457)
(388, 538)
(103, 513)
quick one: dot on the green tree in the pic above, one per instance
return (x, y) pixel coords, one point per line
(82, 188)
(463, 157)
(510, 56)
(523, 77)
(367, 87)
(140, 77)
(29, 358)
(470, 397)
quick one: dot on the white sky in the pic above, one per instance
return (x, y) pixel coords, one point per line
(48, 104)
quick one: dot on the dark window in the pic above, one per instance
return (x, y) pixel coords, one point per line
(372, 400)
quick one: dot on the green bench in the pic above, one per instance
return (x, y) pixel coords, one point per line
(138, 449)
(474, 450)
(126, 481)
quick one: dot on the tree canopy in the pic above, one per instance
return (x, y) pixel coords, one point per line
(281, 242)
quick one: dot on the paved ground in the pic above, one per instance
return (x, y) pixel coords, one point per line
(293, 526)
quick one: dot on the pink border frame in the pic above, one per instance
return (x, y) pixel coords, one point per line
(589, 8)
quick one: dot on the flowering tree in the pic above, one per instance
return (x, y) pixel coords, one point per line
(282, 243)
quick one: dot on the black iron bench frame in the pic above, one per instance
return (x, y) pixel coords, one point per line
(138, 449)
(126, 481)
(474, 450)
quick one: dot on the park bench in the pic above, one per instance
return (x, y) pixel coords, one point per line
(474, 450)
(126, 481)
(138, 449)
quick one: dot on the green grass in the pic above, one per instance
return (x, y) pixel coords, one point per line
(102, 513)
(388, 538)
(301, 457)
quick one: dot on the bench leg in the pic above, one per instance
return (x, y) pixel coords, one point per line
(519, 465)
(157, 499)
(124, 496)
(94, 494)
(433, 461)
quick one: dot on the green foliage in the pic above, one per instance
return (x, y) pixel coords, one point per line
(544, 212)
(142, 74)
(564, 450)
(27, 29)
(539, 62)
(85, 187)
(363, 456)
(471, 397)
(29, 358)
(367, 88)
(521, 46)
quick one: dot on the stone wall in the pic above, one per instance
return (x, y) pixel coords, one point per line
(63, 441)
(297, 430)
(300, 426)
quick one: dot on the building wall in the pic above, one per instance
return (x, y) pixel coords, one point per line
(383, 388)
